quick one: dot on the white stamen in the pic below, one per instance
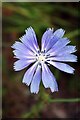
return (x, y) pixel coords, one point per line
(41, 58)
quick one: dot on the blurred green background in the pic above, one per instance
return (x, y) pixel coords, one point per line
(18, 102)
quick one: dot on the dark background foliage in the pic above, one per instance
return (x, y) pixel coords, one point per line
(17, 99)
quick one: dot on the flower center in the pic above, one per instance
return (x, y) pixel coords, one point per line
(41, 58)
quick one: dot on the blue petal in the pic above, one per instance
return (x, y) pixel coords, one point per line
(26, 55)
(21, 64)
(62, 66)
(58, 45)
(48, 79)
(28, 76)
(30, 32)
(66, 50)
(19, 46)
(36, 80)
(22, 48)
(66, 58)
(30, 40)
(46, 38)
(59, 33)
(56, 36)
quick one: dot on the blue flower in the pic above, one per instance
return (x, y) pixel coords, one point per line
(54, 51)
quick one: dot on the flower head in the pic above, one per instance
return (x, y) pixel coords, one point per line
(54, 51)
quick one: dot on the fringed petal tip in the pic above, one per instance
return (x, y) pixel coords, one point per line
(76, 59)
(54, 90)
(31, 28)
(75, 49)
(25, 83)
(12, 46)
(59, 33)
(15, 68)
(50, 29)
(73, 71)
(35, 92)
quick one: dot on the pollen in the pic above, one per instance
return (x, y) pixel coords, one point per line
(41, 58)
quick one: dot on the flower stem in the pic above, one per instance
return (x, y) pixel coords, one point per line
(65, 100)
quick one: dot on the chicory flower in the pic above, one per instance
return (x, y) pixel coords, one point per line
(54, 51)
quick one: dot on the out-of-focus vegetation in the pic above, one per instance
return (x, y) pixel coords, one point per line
(17, 99)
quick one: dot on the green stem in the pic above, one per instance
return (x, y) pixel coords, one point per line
(34, 110)
(65, 100)
(39, 106)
